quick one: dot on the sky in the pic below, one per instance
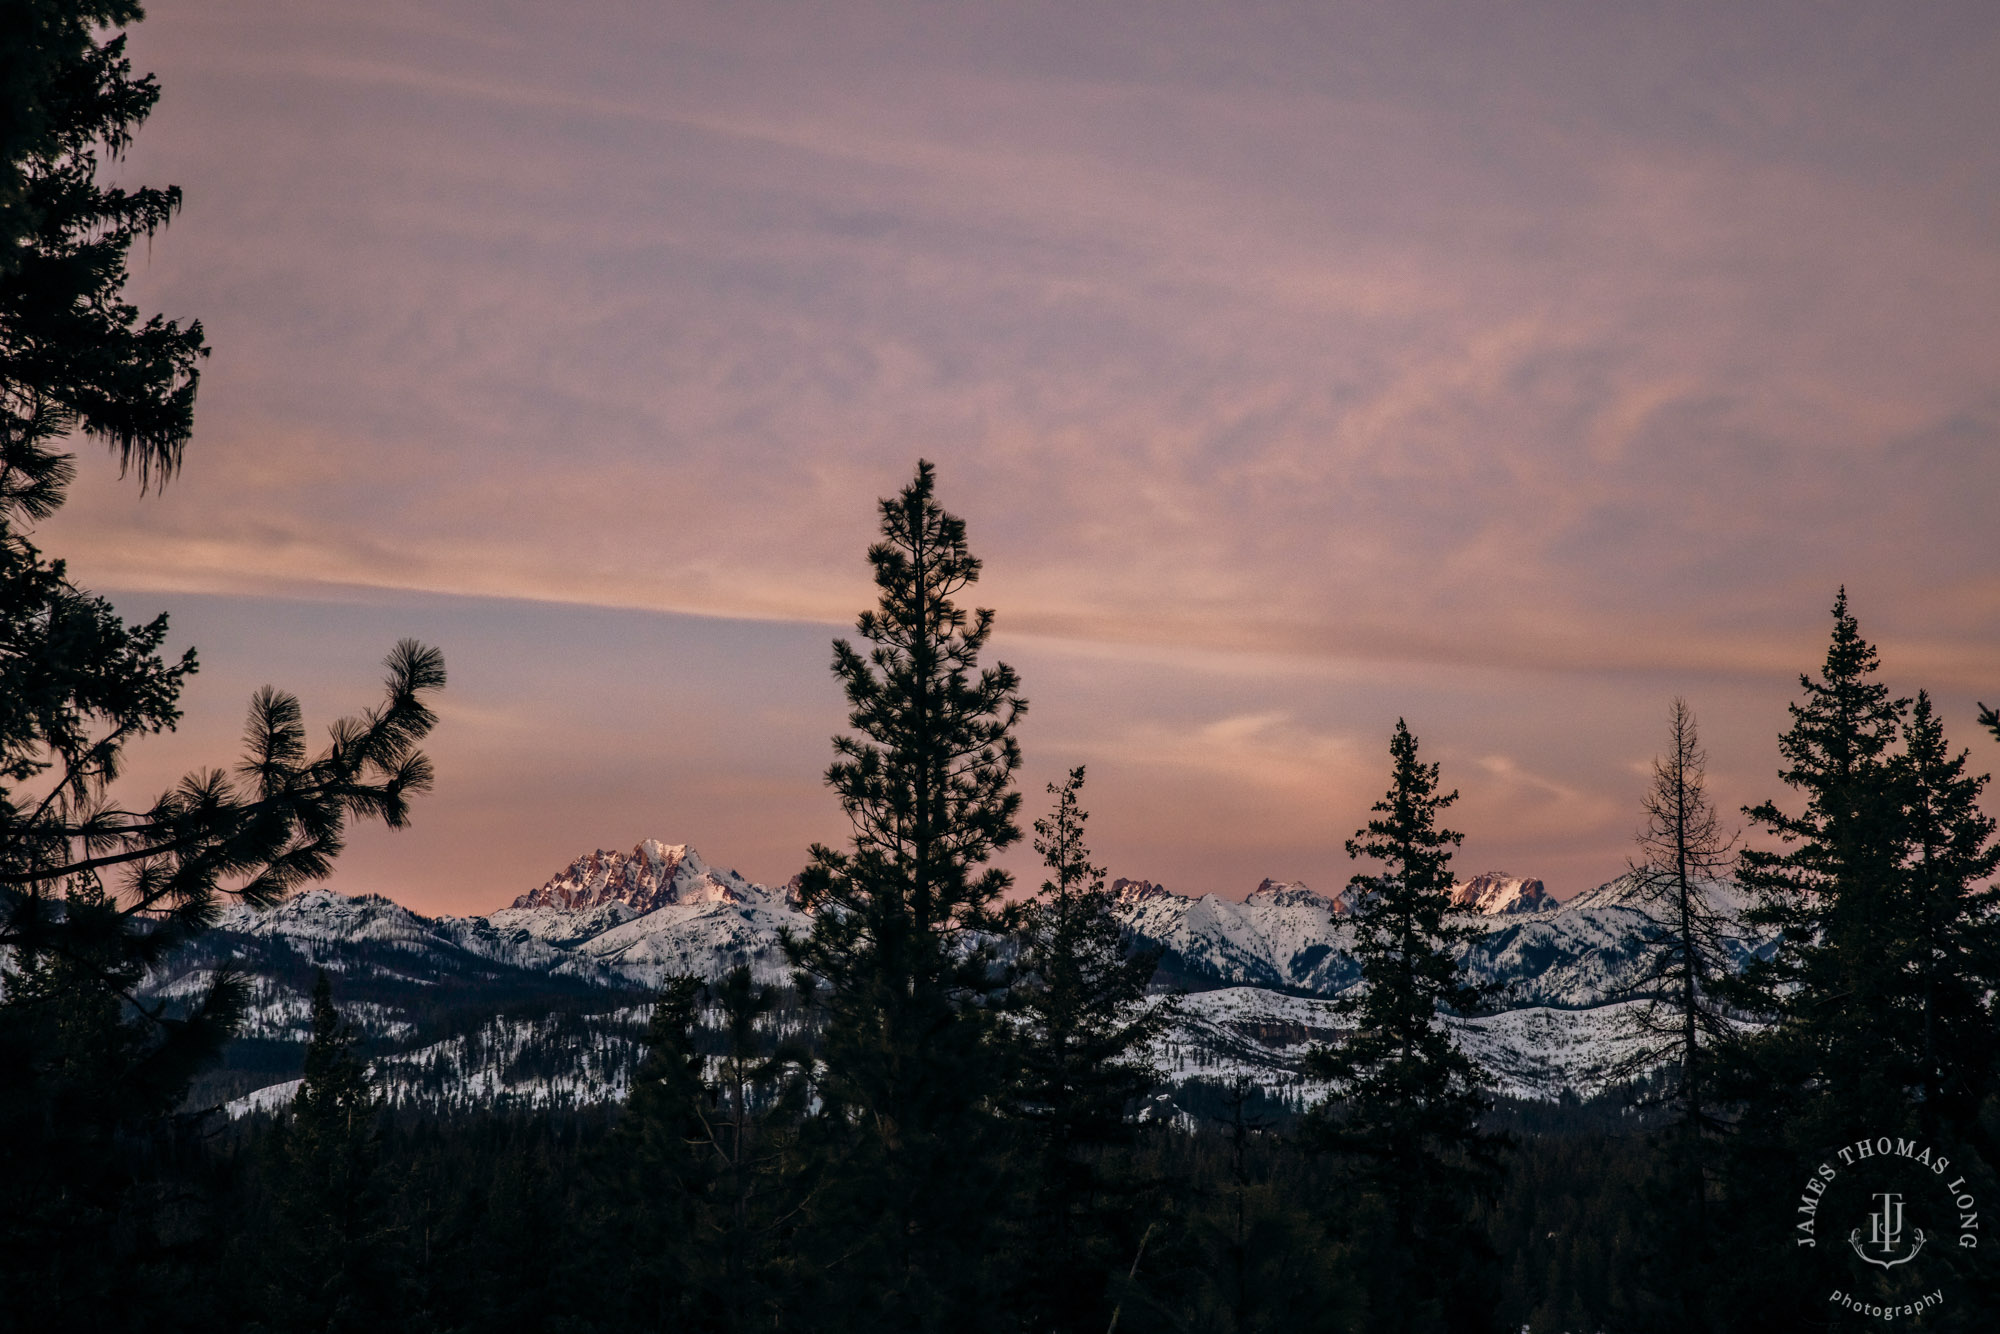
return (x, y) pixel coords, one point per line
(1296, 368)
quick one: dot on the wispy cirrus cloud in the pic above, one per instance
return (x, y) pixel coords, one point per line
(1581, 341)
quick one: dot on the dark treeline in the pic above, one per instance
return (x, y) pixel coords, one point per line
(948, 1120)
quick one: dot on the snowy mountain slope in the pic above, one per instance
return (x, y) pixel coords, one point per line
(401, 978)
(548, 1063)
(1587, 951)
(561, 926)
(568, 1061)
(326, 929)
(1583, 952)
(1282, 935)
(1496, 893)
(1533, 1053)
(493, 1000)
(1536, 1049)
(657, 911)
(704, 937)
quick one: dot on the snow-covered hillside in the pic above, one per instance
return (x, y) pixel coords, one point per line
(1531, 1053)
(483, 1008)
(1496, 893)
(1282, 935)
(557, 1061)
(703, 936)
(1539, 952)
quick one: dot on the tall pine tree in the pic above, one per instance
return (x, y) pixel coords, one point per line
(1950, 953)
(1083, 1025)
(1405, 1110)
(1836, 1063)
(898, 950)
(1877, 991)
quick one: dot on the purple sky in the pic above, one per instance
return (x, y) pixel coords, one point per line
(1295, 368)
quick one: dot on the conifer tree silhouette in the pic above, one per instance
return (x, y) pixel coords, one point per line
(1404, 1114)
(94, 886)
(900, 947)
(1079, 1052)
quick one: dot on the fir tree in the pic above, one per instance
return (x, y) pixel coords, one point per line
(328, 1253)
(1084, 1023)
(1878, 988)
(74, 355)
(897, 951)
(1835, 896)
(1951, 952)
(1405, 1110)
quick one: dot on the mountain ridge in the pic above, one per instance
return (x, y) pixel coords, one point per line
(463, 1010)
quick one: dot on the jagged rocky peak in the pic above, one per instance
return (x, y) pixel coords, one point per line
(1137, 891)
(652, 875)
(1290, 894)
(1496, 892)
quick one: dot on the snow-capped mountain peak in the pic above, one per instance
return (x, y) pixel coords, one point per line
(1290, 894)
(1261, 972)
(1496, 892)
(652, 875)
(1138, 891)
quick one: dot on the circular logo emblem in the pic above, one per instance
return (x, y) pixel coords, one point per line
(1882, 1216)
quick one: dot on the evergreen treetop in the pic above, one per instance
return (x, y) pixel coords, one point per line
(1082, 993)
(1405, 915)
(927, 785)
(1083, 1022)
(1406, 1101)
(1837, 755)
(1834, 890)
(1400, 1078)
(74, 354)
(899, 954)
(1948, 948)
(927, 782)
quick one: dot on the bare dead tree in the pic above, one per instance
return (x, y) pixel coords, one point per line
(1683, 850)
